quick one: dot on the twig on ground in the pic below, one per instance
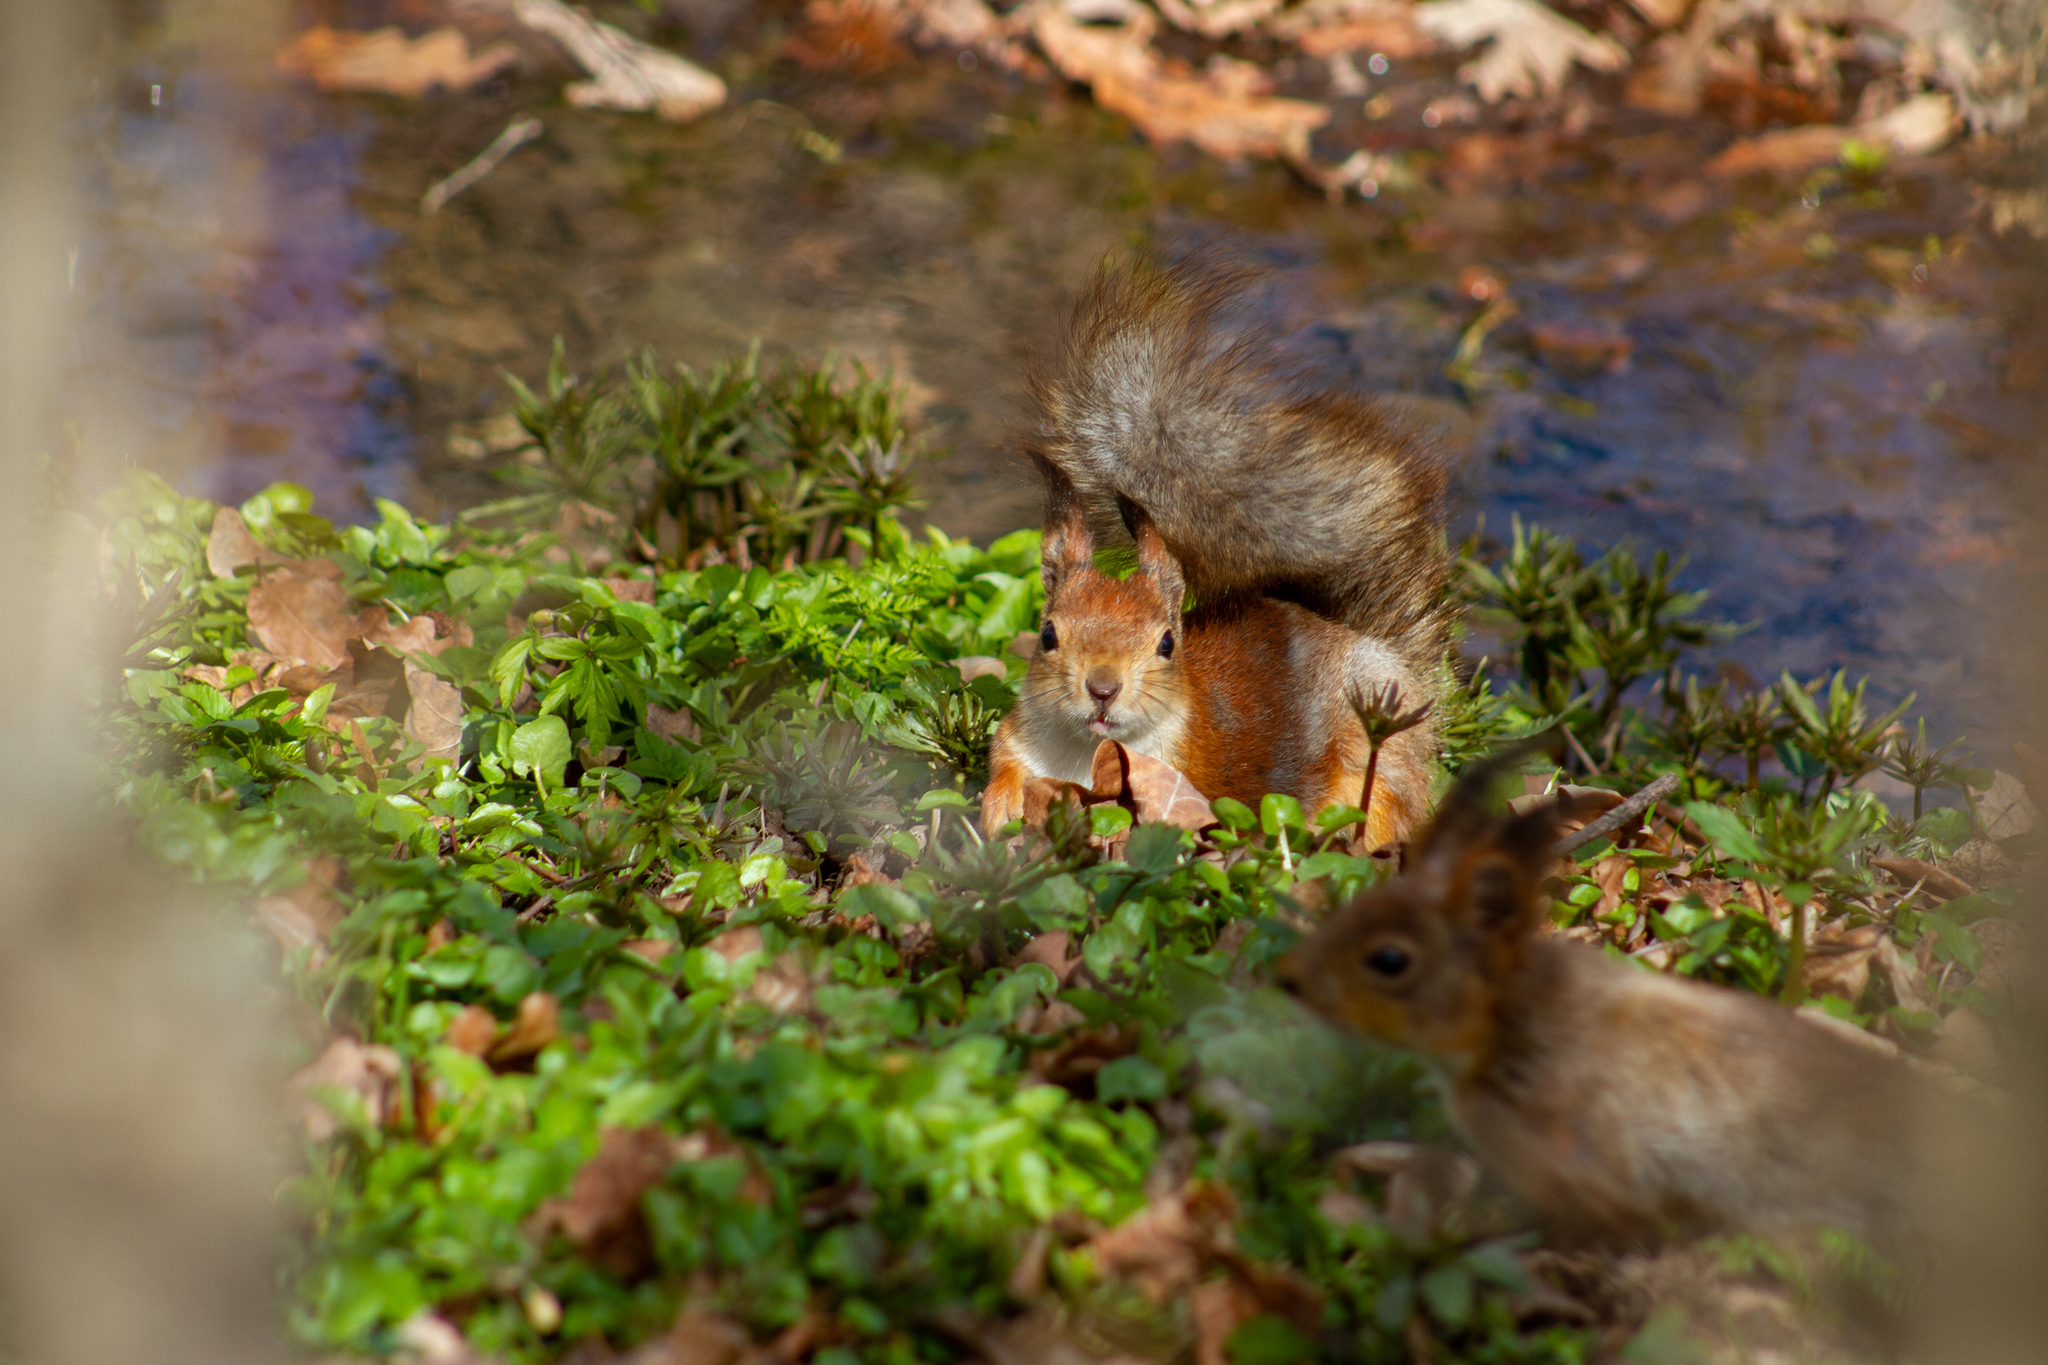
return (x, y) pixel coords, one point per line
(1620, 816)
(518, 132)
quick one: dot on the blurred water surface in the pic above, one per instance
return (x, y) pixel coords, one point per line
(1818, 390)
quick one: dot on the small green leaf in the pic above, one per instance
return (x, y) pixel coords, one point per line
(1277, 811)
(1234, 814)
(1726, 829)
(541, 748)
(1448, 1292)
(1130, 1078)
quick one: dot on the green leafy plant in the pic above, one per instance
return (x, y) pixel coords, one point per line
(737, 462)
(1837, 729)
(1801, 850)
(886, 1078)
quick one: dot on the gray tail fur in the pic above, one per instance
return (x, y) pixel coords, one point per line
(1170, 391)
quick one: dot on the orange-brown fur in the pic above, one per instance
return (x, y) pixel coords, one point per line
(1252, 699)
(1622, 1103)
(1306, 523)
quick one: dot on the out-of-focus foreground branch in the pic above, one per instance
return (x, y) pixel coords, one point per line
(136, 1148)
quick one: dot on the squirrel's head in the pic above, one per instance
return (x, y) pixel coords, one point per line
(1109, 648)
(1425, 961)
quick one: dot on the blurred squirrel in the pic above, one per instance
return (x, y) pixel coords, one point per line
(1624, 1104)
(1306, 524)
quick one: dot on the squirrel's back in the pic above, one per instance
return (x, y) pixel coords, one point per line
(1171, 393)
(1622, 1100)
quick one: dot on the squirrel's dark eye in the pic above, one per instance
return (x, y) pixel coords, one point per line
(1388, 961)
(1166, 645)
(1048, 639)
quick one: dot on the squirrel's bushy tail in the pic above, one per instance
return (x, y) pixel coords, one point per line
(1168, 391)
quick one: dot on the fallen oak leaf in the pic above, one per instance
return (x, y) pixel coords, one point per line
(1218, 1308)
(473, 1030)
(698, 1337)
(348, 1072)
(536, 1023)
(1049, 950)
(672, 725)
(1839, 958)
(1533, 47)
(387, 62)
(625, 73)
(1217, 18)
(434, 714)
(600, 1216)
(230, 545)
(1106, 45)
(299, 610)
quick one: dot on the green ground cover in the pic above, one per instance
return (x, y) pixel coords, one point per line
(644, 957)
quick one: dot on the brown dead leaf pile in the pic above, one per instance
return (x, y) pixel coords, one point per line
(312, 636)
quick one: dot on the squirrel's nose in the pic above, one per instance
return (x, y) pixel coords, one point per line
(1104, 685)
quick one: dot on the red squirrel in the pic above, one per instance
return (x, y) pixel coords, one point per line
(1305, 523)
(1624, 1104)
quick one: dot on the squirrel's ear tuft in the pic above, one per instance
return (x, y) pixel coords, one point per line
(1069, 545)
(1154, 559)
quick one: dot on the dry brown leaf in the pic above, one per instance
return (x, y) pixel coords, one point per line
(858, 871)
(600, 1216)
(1219, 1307)
(625, 72)
(650, 949)
(979, 666)
(372, 684)
(1154, 792)
(299, 610)
(1161, 795)
(1785, 151)
(671, 725)
(231, 546)
(347, 1067)
(1391, 32)
(308, 912)
(387, 61)
(783, 985)
(472, 1031)
(1049, 950)
(1583, 349)
(1532, 47)
(434, 717)
(1161, 1248)
(1903, 974)
(536, 1023)
(2005, 946)
(1107, 45)
(1980, 863)
(734, 944)
(1073, 1063)
(1217, 18)
(699, 1337)
(1839, 958)
(2003, 809)
(1041, 794)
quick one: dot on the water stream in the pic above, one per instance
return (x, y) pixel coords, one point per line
(1820, 393)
